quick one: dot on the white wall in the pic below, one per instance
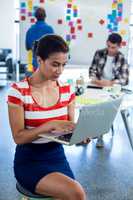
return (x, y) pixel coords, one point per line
(7, 13)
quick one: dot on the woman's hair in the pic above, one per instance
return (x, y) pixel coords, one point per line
(50, 44)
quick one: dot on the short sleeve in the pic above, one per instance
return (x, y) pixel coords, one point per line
(72, 94)
(14, 95)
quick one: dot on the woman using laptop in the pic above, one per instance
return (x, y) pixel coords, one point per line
(42, 104)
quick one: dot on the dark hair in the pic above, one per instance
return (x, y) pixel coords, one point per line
(40, 14)
(50, 44)
(115, 38)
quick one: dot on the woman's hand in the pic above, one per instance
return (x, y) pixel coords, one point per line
(62, 126)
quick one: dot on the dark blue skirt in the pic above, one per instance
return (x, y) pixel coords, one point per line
(34, 161)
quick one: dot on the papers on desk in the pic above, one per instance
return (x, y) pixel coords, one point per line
(93, 96)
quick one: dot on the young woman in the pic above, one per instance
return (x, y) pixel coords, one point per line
(41, 104)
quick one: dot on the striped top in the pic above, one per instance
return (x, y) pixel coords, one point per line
(34, 114)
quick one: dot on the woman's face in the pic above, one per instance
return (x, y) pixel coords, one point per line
(53, 66)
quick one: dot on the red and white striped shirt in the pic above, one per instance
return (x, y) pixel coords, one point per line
(34, 114)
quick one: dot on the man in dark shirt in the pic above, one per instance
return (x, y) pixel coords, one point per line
(36, 31)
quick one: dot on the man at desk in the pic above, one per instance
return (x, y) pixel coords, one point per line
(109, 67)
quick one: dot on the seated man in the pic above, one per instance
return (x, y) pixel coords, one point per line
(109, 67)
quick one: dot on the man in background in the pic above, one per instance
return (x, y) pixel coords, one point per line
(109, 67)
(36, 31)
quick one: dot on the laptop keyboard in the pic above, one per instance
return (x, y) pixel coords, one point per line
(66, 137)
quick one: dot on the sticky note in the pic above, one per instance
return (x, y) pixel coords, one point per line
(126, 20)
(22, 18)
(70, 23)
(123, 32)
(79, 27)
(30, 4)
(60, 21)
(101, 22)
(120, 14)
(119, 18)
(32, 20)
(29, 14)
(68, 17)
(42, 1)
(73, 37)
(115, 29)
(114, 13)
(69, 5)
(68, 38)
(74, 7)
(29, 57)
(23, 11)
(68, 11)
(124, 43)
(79, 21)
(72, 30)
(75, 14)
(114, 5)
(22, 5)
(90, 35)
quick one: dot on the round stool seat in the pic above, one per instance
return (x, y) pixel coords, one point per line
(29, 194)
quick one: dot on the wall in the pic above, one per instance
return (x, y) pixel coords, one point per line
(7, 13)
(84, 24)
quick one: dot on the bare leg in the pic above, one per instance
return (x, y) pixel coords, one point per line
(60, 187)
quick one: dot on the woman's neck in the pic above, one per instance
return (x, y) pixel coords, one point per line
(37, 80)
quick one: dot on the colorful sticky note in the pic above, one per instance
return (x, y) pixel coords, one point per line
(69, 5)
(79, 21)
(114, 5)
(90, 35)
(120, 14)
(23, 11)
(74, 7)
(115, 29)
(114, 13)
(124, 43)
(75, 14)
(22, 18)
(32, 20)
(29, 14)
(119, 18)
(79, 27)
(72, 30)
(68, 11)
(101, 21)
(126, 20)
(30, 4)
(123, 32)
(29, 57)
(22, 5)
(70, 23)
(42, 1)
(73, 37)
(68, 17)
(60, 21)
(68, 37)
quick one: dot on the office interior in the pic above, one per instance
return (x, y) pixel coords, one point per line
(105, 173)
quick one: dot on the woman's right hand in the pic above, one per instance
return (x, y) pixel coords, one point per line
(63, 126)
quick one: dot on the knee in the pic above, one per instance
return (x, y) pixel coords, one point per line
(76, 192)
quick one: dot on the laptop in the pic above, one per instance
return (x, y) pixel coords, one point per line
(93, 121)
